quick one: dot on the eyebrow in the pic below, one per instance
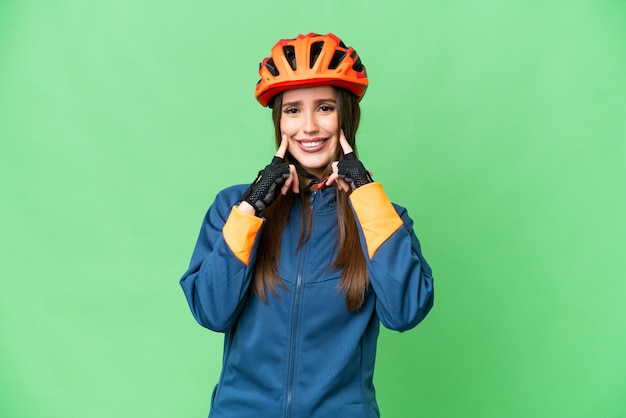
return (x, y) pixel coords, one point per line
(316, 101)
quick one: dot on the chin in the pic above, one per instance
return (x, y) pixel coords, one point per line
(313, 168)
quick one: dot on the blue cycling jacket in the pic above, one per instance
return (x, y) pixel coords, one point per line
(302, 354)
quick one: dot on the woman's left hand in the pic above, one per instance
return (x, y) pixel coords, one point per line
(348, 173)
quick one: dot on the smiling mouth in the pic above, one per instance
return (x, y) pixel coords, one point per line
(311, 144)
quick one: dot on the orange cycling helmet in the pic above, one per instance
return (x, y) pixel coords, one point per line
(308, 61)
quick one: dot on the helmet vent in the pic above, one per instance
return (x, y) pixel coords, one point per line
(338, 56)
(357, 66)
(316, 48)
(290, 54)
(271, 67)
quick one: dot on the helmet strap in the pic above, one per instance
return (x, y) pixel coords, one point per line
(302, 171)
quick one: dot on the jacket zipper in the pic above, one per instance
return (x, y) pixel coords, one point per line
(295, 316)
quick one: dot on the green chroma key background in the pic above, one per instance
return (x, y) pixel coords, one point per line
(499, 125)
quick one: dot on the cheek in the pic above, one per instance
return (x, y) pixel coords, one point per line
(287, 127)
(331, 126)
(334, 145)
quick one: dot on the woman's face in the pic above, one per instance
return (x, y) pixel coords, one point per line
(310, 120)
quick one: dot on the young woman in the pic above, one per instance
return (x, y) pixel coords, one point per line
(299, 268)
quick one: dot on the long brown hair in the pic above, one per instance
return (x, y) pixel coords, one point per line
(350, 259)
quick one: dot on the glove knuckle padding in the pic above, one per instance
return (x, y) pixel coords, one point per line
(353, 171)
(262, 192)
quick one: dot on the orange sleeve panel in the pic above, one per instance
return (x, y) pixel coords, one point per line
(240, 232)
(377, 216)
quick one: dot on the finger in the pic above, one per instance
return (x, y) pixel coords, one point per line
(286, 185)
(343, 185)
(345, 146)
(295, 185)
(291, 182)
(331, 179)
(282, 149)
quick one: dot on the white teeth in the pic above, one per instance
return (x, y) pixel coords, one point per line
(312, 144)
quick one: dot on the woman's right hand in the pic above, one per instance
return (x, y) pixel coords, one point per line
(263, 191)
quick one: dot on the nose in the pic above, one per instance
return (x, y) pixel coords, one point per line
(310, 123)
